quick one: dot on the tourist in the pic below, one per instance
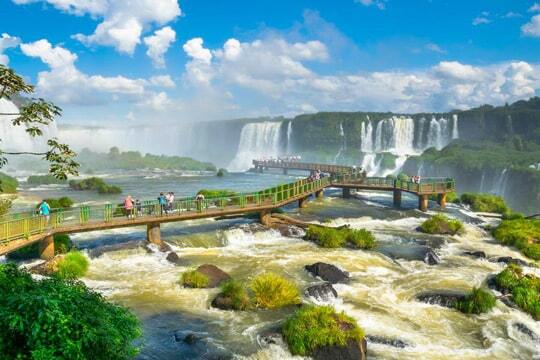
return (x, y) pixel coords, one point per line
(170, 201)
(45, 210)
(138, 206)
(199, 198)
(128, 206)
(162, 202)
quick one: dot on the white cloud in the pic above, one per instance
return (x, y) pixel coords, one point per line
(123, 20)
(195, 49)
(378, 3)
(435, 48)
(6, 42)
(162, 81)
(158, 44)
(511, 15)
(535, 8)
(479, 20)
(156, 101)
(532, 28)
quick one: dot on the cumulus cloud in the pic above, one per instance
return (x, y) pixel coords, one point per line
(66, 84)
(122, 21)
(6, 42)
(158, 44)
(194, 48)
(532, 28)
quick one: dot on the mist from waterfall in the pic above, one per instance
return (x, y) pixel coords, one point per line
(343, 143)
(15, 138)
(257, 140)
(289, 138)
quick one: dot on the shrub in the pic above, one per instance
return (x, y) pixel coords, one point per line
(440, 224)
(525, 289)
(5, 206)
(524, 234)
(210, 194)
(478, 301)
(362, 238)
(221, 172)
(44, 180)
(195, 279)
(58, 319)
(74, 265)
(94, 183)
(312, 327)
(403, 177)
(62, 244)
(272, 291)
(485, 202)
(237, 293)
(8, 184)
(511, 215)
(451, 197)
(60, 203)
(325, 237)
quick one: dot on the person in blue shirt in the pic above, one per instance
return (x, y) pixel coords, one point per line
(45, 210)
(162, 202)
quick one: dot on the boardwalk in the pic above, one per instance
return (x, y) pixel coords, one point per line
(27, 228)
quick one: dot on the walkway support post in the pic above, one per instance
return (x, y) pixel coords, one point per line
(423, 202)
(302, 203)
(397, 198)
(46, 248)
(319, 194)
(265, 217)
(153, 234)
(346, 193)
(441, 200)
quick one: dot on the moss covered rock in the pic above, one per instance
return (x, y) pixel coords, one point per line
(440, 224)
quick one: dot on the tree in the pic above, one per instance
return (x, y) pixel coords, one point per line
(34, 114)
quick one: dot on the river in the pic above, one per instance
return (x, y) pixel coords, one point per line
(380, 295)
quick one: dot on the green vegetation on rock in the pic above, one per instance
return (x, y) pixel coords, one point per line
(271, 291)
(73, 266)
(440, 224)
(132, 160)
(58, 319)
(477, 301)
(313, 327)
(194, 279)
(484, 202)
(60, 203)
(329, 237)
(236, 292)
(524, 234)
(525, 289)
(8, 184)
(94, 183)
(44, 180)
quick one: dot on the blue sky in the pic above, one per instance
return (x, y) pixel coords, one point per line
(114, 61)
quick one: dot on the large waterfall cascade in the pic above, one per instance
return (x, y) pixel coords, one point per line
(257, 140)
(343, 143)
(15, 138)
(402, 137)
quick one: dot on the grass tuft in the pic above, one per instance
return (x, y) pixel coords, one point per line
(271, 291)
(74, 265)
(361, 238)
(332, 238)
(524, 234)
(525, 289)
(237, 293)
(440, 224)
(312, 327)
(195, 279)
(478, 301)
(485, 202)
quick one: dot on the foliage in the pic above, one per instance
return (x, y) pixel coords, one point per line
(440, 224)
(73, 266)
(524, 234)
(8, 184)
(485, 202)
(60, 203)
(478, 301)
(237, 293)
(271, 291)
(44, 180)
(451, 197)
(525, 289)
(94, 183)
(132, 160)
(329, 237)
(195, 279)
(58, 319)
(512, 215)
(403, 177)
(221, 172)
(211, 194)
(312, 327)
(35, 114)
(5, 206)
(62, 244)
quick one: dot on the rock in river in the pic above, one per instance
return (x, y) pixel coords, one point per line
(511, 260)
(387, 341)
(354, 350)
(328, 272)
(446, 298)
(476, 254)
(322, 292)
(431, 258)
(215, 275)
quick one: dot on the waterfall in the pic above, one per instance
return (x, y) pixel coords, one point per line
(257, 140)
(455, 130)
(482, 180)
(343, 143)
(500, 184)
(371, 163)
(15, 138)
(366, 137)
(395, 135)
(289, 138)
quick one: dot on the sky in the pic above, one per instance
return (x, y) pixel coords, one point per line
(120, 62)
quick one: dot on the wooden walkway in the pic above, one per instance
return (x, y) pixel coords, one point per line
(26, 228)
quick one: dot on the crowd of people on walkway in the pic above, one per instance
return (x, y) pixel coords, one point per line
(281, 159)
(315, 175)
(416, 179)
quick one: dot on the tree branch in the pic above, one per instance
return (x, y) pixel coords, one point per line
(10, 114)
(23, 153)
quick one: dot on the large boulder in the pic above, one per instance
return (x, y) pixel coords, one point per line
(324, 292)
(431, 258)
(222, 302)
(173, 257)
(354, 350)
(290, 230)
(443, 298)
(215, 275)
(328, 272)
